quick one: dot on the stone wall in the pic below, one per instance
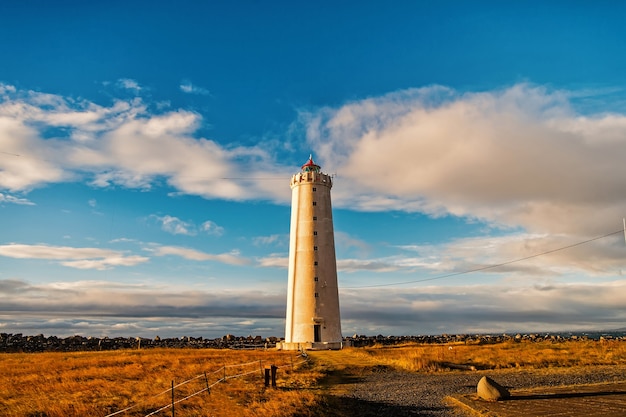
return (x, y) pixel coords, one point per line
(40, 343)
(363, 341)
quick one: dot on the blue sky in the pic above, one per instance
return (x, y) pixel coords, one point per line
(146, 151)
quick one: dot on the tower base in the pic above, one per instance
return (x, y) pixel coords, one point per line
(311, 345)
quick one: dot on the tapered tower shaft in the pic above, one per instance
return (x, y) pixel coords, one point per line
(313, 320)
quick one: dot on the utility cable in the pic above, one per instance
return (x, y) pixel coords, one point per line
(469, 271)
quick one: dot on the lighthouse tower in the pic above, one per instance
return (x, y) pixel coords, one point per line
(313, 299)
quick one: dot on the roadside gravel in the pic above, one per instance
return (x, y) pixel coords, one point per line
(387, 392)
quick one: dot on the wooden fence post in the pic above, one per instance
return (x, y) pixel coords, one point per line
(274, 369)
(173, 414)
(267, 377)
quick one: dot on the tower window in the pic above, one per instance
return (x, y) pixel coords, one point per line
(317, 294)
(314, 189)
(315, 263)
(314, 232)
(315, 203)
(316, 279)
(314, 217)
(314, 247)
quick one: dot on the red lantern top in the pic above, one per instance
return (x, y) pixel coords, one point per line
(310, 166)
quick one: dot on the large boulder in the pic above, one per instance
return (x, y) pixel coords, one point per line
(490, 390)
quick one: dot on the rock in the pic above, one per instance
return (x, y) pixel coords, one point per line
(490, 390)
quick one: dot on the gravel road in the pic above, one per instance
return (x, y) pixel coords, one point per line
(386, 392)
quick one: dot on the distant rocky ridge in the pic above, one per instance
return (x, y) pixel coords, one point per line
(40, 343)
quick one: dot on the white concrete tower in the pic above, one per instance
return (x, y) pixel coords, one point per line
(313, 320)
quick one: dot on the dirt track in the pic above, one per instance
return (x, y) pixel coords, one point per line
(379, 391)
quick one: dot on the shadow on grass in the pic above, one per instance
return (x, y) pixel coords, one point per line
(336, 378)
(341, 406)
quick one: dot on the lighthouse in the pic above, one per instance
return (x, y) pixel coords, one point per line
(312, 320)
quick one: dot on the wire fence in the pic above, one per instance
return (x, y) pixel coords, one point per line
(223, 374)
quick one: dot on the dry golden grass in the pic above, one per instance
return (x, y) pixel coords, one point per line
(100, 383)
(431, 358)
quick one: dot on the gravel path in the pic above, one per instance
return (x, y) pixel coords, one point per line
(386, 392)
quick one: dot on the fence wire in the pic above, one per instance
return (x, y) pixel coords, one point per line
(208, 387)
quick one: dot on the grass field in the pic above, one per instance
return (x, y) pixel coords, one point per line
(102, 383)
(502, 355)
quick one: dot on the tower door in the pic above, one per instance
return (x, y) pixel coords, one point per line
(317, 333)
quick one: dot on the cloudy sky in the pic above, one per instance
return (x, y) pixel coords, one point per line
(146, 148)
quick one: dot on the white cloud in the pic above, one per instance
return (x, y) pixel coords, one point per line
(129, 84)
(81, 258)
(189, 88)
(517, 157)
(231, 258)
(484, 308)
(5, 89)
(511, 256)
(269, 240)
(274, 261)
(211, 228)
(6, 198)
(106, 263)
(107, 307)
(124, 240)
(373, 265)
(25, 164)
(123, 145)
(125, 178)
(532, 254)
(521, 158)
(175, 226)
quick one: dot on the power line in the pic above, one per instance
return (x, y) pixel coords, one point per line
(469, 271)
